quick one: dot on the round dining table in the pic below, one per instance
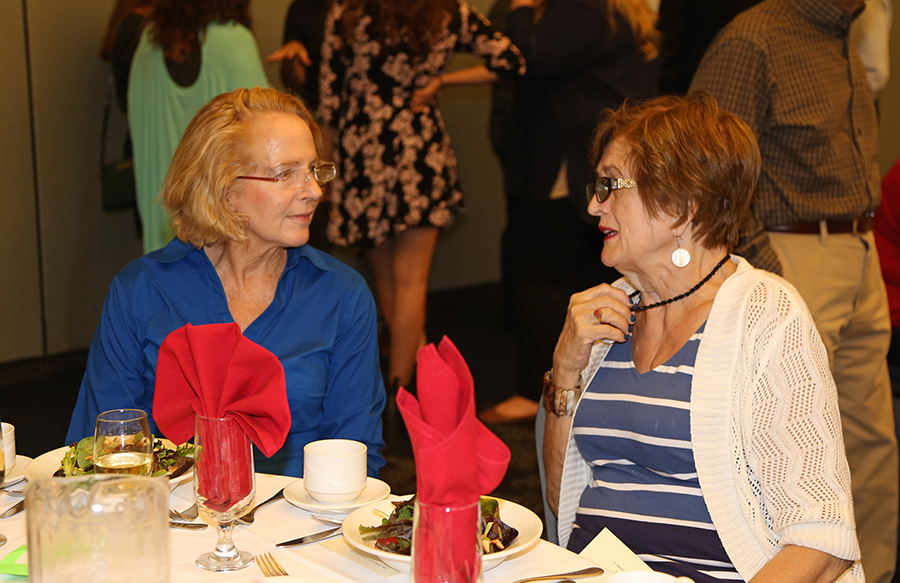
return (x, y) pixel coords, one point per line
(331, 561)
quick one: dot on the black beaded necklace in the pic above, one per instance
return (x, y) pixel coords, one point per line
(685, 294)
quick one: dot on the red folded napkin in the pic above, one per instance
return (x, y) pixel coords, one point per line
(214, 371)
(457, 458)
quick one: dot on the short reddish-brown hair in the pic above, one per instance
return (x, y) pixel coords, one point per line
(688, 157)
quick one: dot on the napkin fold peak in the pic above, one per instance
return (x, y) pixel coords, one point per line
(457, 458)
(214, 370)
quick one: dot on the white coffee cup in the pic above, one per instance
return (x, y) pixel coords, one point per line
(334, 470)
(9, 445)
(644, 577)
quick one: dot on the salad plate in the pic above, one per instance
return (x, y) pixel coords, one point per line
(522, 519)
(297, 495)
(17, 473)
(45, 465)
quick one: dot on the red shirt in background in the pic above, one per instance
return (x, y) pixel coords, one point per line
(887, 239)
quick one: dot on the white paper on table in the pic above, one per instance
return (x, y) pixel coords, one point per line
(375, 565)
(610, 553)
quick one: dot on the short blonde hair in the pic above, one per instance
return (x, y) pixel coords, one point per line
(211, 155)
(688, 156)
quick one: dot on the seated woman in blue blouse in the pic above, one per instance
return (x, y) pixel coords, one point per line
(691, 407)
(241, 191)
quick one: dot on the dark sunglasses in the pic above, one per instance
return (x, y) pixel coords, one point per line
(605, 185)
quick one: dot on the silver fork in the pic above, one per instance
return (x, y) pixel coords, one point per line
(269, 566)
(175, 515)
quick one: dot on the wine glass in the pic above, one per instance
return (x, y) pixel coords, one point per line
(224, 486)
(122, 443)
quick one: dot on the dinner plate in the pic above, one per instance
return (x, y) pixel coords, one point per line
(45, 465)
(17, 473)
(522, 519)
(297, 495)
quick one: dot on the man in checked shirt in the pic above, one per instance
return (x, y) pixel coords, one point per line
(788, 68)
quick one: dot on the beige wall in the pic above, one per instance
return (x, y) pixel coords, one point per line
(20, 307)
(59, 250)
(82, 247)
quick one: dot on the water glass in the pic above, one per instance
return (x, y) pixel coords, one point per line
(446, 543)
(224, 486)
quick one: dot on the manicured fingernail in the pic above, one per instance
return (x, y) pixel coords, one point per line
(632, 318)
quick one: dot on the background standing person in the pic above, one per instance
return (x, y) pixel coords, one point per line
(304, 27)
(583, 56)
(397, 182)
(790, 70)
(192, 51)
(687, 27)
(123, 31)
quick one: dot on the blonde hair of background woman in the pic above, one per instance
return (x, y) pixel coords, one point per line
(642, 20)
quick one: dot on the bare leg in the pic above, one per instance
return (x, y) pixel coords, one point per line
(401, 268)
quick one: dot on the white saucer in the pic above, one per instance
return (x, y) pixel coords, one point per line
(297, 495)
(17, 474)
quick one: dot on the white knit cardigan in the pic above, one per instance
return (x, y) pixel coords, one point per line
(765, 429)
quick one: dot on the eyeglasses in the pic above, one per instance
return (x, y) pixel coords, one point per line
(604, 185)
(295, 179)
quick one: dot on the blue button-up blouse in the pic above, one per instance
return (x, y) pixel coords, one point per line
(321, 325)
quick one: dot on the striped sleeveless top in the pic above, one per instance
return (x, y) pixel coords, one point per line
(634, 430)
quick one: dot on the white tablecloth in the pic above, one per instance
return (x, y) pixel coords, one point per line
(281, 521)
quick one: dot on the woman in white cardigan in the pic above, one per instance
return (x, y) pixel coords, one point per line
(690, 407)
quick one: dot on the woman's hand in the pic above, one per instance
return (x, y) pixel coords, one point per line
(291, 50)
(423, 97)
(601, 313)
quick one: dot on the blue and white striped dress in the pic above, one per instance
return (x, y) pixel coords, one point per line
(634, 429)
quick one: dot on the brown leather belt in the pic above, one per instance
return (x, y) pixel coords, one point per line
(861, 225)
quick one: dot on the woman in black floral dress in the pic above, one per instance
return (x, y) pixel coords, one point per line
(397, 182)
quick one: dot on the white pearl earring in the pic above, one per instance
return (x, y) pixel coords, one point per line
(680, 257)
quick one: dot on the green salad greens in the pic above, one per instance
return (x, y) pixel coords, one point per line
(394, 534)
(78, 461)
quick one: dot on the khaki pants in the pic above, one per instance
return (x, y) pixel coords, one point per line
(839, 277)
